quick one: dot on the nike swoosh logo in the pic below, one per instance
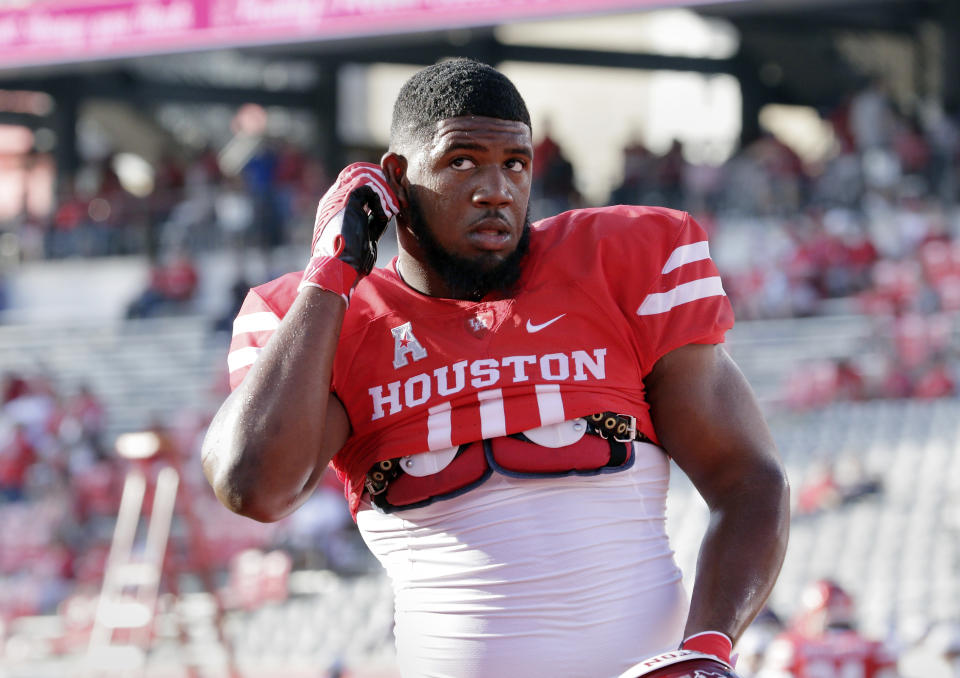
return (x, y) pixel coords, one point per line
(531, 328)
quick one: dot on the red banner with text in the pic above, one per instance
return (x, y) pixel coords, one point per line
(55, 31)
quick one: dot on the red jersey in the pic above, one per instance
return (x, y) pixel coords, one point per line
(835, 654)
(603, 295)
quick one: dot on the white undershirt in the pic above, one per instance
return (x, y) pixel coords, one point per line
(568, 577)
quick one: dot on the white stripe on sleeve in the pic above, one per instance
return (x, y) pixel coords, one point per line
(259, 321)
(661, 302)
(550, 403)
(493, 420)
(242, 357)
(439, 427)
(685, 254)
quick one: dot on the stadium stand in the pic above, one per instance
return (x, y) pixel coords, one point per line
(145, 371)
(844, 276)
(894, 547)
(889, 542)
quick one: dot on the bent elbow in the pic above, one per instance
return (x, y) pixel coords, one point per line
(772, 486)
(244, 491)
(780, 483)
(247, 502)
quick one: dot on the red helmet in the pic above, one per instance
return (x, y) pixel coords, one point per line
(824, 605)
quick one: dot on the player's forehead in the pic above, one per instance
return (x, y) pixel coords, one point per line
(479, 131)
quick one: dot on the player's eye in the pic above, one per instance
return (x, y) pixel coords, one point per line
(516, 165)
(462, 163)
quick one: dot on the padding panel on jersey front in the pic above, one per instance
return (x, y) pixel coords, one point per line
(467, 469)
(513, 456)
(519, 456)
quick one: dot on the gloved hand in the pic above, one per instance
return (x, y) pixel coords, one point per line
(351, 217)
(681, 664)
(702, 655)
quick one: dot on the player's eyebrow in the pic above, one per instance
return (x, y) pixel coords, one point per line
(476, 146)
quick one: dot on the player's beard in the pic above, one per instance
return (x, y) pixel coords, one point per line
(467, 278)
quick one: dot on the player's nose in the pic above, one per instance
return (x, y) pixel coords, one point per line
(493, 189)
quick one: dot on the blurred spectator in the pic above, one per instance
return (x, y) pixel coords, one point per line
(85, 411)
(854, 480)
(554, 189)
(670, 170)
(822, 641)
(238, 292)
(69, 219)
(638, 171)
(819, 491)
(936, 381)
(872, 122)
(35, 408)
(17, 455)
(321, 534)
(234, 212)
(261, 181)
(172, 284)
(830, 484)
(753, 644)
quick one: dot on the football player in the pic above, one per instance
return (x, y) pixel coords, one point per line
(823, 641)
(501, 402)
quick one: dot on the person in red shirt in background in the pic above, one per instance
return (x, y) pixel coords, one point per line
(17, 455)
(822, 641)
(173, 283)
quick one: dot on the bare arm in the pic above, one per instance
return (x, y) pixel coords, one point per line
(272, 438)
(708, 420)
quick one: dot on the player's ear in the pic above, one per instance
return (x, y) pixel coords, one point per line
(394, 168)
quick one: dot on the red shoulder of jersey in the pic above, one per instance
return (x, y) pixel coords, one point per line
(656, 264)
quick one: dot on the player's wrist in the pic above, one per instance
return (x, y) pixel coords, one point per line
(331, 274)
(714, 643)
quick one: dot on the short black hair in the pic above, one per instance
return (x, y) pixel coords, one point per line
(451, 89)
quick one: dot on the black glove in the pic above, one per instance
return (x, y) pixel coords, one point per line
(351, 217)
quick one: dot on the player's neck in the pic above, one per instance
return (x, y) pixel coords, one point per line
(419, 277)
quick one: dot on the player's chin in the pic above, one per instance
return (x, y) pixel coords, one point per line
(488, 261)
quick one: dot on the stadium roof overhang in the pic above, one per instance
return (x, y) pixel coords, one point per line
(796, 40)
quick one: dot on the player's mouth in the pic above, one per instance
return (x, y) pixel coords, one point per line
(490, 234)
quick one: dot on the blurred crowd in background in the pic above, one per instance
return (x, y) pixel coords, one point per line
(873, 230)
(872, 225)
(60, 486)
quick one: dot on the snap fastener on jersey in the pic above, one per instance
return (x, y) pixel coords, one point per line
(428, 463)
(558, 435)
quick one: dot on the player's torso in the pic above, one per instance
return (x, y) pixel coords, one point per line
(417, 373)
(536, 577)
(517, 576)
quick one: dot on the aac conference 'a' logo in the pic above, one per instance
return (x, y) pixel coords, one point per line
(405, 344)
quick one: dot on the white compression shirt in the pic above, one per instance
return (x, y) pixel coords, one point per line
(569, 577)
